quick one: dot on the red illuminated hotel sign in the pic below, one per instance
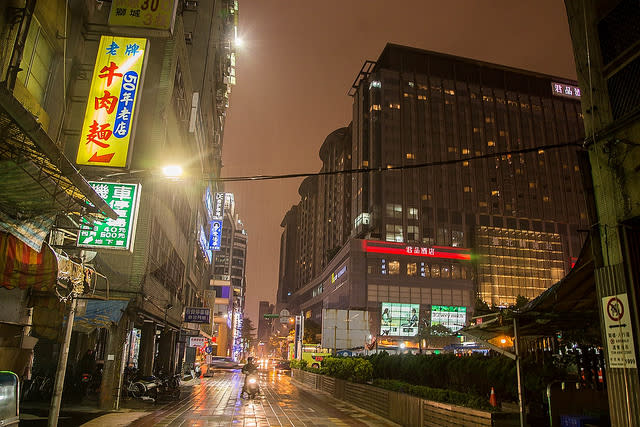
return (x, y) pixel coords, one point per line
(446, 252)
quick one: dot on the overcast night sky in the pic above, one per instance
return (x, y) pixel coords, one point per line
(299, 60)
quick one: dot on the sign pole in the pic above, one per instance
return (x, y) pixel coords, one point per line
(56, 399)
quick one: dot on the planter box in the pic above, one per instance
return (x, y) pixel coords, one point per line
(402, 408)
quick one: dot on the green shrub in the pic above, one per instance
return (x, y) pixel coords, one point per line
(436, 395)
(348, 368)
(298, 364)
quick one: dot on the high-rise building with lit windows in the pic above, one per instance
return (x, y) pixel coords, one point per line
(475, 190)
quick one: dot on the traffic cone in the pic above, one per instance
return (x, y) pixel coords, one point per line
(492, 399)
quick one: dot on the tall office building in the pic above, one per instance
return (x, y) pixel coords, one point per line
(497, 214)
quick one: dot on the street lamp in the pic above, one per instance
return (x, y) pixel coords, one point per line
(172, 171)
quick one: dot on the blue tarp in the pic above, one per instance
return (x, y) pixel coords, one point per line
(99, 314)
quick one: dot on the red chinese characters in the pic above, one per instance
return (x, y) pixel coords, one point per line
(109, 72)
(108, 102)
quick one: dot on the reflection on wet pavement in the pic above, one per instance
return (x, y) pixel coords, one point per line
(216, 402)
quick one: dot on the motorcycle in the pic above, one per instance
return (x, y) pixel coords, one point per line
(144, 388)
(90, 384)
(169, 385)
(252, 387)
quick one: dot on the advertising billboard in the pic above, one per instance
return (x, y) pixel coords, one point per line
(152, 14)
(344, 329)
(399, 320)
(215, 235)
(452, 317)
(197, 315)
(113, 233)
(113, 95)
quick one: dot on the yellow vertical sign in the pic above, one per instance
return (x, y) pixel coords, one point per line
(115, 85)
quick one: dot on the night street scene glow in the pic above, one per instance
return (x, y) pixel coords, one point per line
(360, 213)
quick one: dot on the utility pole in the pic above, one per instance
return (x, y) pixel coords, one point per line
(56, 399)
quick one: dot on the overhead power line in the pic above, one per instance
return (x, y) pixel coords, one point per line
(577, 144)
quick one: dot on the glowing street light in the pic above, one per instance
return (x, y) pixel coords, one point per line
(172, 171)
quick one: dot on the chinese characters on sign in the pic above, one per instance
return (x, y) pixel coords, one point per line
(454, 318)
(420, 251)
(107, 127)
(564, 90)
(617, 322)
(197, 341)
(218, 207)
(197, 314)
(156, 14)
(113, 233)
(215, 235)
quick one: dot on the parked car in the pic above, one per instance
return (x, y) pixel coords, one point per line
(219, 362)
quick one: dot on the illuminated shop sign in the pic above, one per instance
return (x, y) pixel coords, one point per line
(445, 252)
(452, 317)
(336, 276)
(565, 90)
(113, 233)
(218, 206)
(197, 314)
(215, 235)
(152, 14)
(113, 95)
(399, 320)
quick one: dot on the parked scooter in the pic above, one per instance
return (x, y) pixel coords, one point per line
(145, 388)
(169, 385)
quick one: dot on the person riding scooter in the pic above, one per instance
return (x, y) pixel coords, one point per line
(248, 369)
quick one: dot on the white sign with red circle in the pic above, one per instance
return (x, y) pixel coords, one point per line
(619, 334)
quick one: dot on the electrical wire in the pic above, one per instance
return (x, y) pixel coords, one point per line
(577, 144)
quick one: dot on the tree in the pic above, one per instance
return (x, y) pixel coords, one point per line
(311, 331)
(247, 336)
(520, 302)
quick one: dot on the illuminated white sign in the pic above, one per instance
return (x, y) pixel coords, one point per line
(336, 276)
(565, 90)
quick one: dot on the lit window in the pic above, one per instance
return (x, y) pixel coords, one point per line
(410, 84)
(468, 189)
(495, 192)
(394, 267)
(412, 233)
(376, 107)
(489, 120)
(412, 269)
(502, 133)
(426, 197)
(482, 204)
(465, 151)
(365, 163)
(491, 143)
(449, 92)
(540, 151)
(452, 149)
(435, 270)
(465, 163)
(413, 213)
(457, 238)
(476, 130)
(576, 168)
(532, 185)
(411, 156)
(546, 198)
(394, 233)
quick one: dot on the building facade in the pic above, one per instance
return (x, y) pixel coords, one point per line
(70, 62)
(464, 156)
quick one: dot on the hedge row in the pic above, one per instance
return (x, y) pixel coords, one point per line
(436, 394)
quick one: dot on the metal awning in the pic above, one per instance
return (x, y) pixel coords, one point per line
(37, 177)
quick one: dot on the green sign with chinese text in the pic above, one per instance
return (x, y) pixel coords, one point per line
(118, 233)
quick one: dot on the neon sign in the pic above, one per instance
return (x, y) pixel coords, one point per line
(445, 252)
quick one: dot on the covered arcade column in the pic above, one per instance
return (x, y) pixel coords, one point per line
(113, 360)
(147, 348)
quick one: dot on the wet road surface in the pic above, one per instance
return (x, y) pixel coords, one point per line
(216, 401)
